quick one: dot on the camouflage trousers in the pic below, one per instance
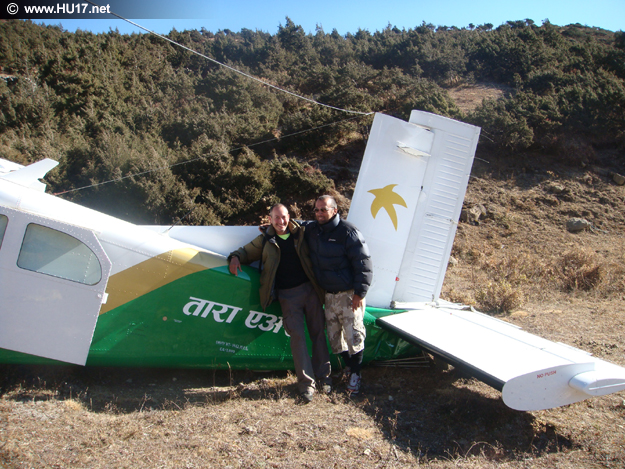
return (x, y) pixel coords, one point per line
(346, 329)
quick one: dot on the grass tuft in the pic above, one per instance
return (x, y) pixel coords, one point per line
(581, 269)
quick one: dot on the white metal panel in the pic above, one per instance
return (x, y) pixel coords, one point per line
(493, 347)
(29, 176)
(41, 314)
(562, 385)
(426, 162)
(125, 244)
(7, 166)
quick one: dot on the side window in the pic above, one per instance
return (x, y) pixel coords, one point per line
(3, 227)
(58, 254)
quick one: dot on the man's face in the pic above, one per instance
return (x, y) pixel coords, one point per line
(280, 220)
(323, 211)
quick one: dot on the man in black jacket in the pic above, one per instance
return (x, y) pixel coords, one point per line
(342, 266)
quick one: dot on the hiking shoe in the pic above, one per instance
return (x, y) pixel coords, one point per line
(307, 396)
(326, 388)
(354, 383)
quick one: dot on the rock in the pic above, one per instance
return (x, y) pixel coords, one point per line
(555, 188)
(617, 178)
(473, 214)
(482, 210)
(453, 262)
(575, 225)
(600, 171)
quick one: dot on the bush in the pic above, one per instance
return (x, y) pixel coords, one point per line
(110, 105)
(295, 181)
(499, 296)
(580, 269)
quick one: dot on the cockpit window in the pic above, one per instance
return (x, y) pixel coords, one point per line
(3, 227)
(58, 254)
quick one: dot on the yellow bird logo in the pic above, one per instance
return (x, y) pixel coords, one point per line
(385, 198)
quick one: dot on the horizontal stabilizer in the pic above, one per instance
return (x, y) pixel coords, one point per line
(533, 373)
(7, 166)
(218, 239)
(28, 176)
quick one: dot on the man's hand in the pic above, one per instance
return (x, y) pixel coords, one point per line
(235, 266)
(357, 302)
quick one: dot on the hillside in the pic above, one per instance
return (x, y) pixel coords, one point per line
(519, 253)
(110, 107)
(553, 123)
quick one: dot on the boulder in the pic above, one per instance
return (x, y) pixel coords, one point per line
(575, 225)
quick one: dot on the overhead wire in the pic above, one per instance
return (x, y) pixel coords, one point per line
(180, 163)
(234, 69)
(359, 113)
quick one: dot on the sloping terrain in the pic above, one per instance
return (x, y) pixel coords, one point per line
(516, 260)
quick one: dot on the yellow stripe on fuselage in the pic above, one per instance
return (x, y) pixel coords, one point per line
(156, 272)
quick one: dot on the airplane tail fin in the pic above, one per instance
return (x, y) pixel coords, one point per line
(407, 202)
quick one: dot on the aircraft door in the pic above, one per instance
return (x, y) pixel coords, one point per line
(53, 278)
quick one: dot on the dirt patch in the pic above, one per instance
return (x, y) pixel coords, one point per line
(164, 418)
(468, 96)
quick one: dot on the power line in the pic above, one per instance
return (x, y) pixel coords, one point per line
(234, 69)
(360, 114)
(204, 157)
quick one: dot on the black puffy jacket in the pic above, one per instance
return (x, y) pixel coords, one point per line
(340, 256)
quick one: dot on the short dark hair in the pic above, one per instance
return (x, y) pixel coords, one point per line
(332, 200)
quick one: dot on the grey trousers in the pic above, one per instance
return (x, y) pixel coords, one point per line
(301, 307)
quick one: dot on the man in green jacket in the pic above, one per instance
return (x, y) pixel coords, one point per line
(287, 274)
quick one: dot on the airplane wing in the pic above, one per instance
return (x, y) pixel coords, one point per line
(7, 166)
(531, 372)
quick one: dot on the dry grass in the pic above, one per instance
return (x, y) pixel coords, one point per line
(405, 418)
(519, 261)
(502, 282)
(467, 96)
(499, 297)
(581, 269)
